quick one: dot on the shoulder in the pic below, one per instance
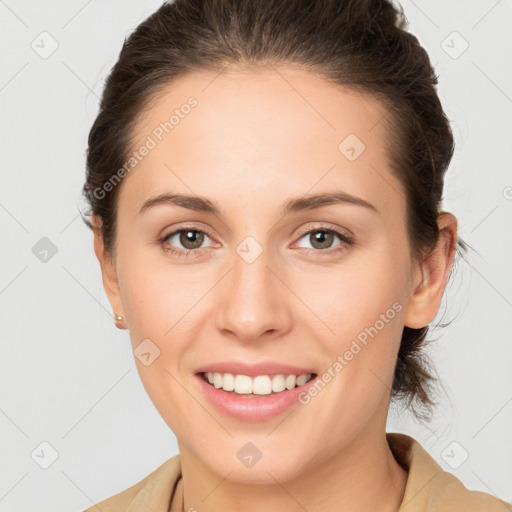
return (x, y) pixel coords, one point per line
(430, 488)
(154, 492)
(450, 492)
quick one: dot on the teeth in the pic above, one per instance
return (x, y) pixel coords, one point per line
(227, 382)
(302, 379)
(243, 384)
(290, 381)
(278, 383)
(259, 385)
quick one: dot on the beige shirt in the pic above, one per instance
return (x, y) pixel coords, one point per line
(429, 488)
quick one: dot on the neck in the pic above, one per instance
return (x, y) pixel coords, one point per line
(363, 476)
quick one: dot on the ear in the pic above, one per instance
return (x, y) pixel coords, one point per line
(431, 276)
(108, 272)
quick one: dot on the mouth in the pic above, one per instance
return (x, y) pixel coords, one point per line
(258, 386)
(258, 396)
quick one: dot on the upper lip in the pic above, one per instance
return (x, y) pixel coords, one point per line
(252, 370)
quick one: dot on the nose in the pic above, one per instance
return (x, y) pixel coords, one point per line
(253, 303)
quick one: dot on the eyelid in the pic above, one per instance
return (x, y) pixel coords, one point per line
(347, 239)
(190, 228)
(328, 227)
(316, 227)
(163, 241)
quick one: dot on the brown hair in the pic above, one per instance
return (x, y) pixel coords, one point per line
(361, 44)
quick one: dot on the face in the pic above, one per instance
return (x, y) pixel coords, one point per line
(270, 277)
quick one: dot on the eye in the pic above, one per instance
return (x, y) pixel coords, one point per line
(322, 239)
(191, 239)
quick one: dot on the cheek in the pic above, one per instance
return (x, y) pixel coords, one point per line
(359, 307)
(157, 295)
(354, 295)
(159, 303)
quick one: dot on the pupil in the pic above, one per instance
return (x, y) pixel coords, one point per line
(194, 238)
(323, 238)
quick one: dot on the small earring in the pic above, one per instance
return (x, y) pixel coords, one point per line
(118, 321)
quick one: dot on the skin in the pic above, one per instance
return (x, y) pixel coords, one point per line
(254, 141)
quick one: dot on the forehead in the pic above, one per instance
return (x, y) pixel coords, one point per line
(260, 102)
(261, 130)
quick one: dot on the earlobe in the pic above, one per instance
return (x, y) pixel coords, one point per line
(432, 275)
(108, 272)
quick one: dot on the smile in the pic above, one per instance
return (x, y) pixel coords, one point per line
(259, 385)
(253, 398)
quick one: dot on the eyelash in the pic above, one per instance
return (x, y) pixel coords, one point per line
(346, 241)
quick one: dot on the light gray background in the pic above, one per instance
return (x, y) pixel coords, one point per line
(68, 376)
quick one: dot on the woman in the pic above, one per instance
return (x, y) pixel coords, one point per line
(265, 181)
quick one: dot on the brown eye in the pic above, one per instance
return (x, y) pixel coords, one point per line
(321, 239)
(184, 241)
(191, 238)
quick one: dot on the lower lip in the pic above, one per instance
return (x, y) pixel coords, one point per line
(250, 408)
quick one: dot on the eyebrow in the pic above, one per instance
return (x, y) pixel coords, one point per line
(307, 202)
